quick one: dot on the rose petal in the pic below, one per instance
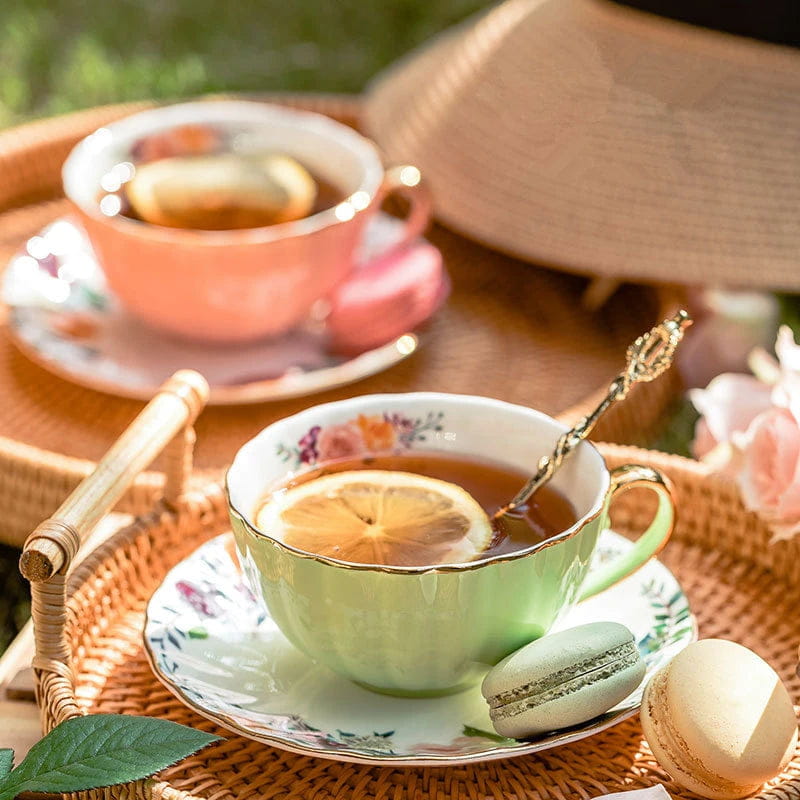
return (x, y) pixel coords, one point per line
(726, 459)
(787, 350)
(784, 530)
(703, 442)
(770, 461)
(764, 366)
(729, 404)
(788, 507)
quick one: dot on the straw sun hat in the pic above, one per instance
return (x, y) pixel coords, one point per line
(602, 139)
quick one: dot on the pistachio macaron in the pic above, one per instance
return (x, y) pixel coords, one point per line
(563, 679)
(719, 720)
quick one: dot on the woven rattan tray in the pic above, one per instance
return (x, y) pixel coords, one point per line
(510, 330)
(89, 653)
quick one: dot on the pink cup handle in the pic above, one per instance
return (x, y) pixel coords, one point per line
(406, 181)
(398, 288)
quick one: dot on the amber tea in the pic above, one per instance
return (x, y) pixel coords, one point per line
(393, 516)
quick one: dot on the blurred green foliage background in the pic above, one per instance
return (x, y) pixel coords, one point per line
(58, 55)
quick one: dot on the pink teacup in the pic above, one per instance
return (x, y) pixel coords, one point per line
(235, 285)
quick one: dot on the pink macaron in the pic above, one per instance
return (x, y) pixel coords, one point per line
(389, 297)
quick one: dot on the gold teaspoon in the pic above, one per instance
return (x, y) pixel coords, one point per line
(647, 358)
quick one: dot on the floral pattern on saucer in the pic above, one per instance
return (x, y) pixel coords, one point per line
(365, 434)
(214, 646)
(63, 316)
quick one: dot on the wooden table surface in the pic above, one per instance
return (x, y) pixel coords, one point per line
(19, 714)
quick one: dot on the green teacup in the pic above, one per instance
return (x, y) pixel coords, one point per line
(421, 631)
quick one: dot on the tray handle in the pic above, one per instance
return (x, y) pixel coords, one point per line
(164, 424)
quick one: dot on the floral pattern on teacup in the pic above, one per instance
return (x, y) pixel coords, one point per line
(362, 435)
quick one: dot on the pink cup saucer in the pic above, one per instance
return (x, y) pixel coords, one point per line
(63, 317)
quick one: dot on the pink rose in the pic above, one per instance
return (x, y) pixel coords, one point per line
(750, 429)
(769, 479)
(340, 441)
(787, 350)
(728, 405)
(786, 392)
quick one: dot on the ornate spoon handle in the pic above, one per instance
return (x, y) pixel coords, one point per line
(647, 358)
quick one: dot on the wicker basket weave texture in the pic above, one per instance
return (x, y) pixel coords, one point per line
(511, 330)
(90, 656)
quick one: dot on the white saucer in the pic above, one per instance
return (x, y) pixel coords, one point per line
(217, 650)
(63, 317)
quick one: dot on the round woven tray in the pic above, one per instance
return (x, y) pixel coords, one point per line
(510, 330)
(739, 585)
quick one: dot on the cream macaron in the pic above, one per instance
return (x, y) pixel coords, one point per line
(719, 720)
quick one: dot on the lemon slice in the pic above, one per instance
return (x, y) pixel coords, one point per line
(379, 517)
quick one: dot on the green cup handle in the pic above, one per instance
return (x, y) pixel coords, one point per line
(650, 542)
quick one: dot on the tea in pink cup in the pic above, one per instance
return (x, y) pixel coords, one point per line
(241, 283)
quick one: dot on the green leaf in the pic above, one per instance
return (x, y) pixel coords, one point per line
(101, 750)
(197, 633)
(6, 761)
(495, 737)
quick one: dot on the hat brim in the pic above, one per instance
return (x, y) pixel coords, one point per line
(603, 140)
